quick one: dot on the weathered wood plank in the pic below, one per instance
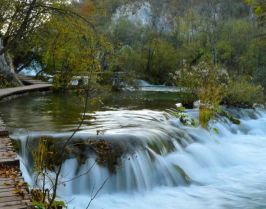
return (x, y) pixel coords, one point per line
(23, 89)
(15, 207)
(3, 132)
(11, 162)
(7, 189)
(13, 194)
(7, 155)
(8, 194)
(9, 198)
(5, 204)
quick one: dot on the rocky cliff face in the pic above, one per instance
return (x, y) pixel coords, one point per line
(6, 69)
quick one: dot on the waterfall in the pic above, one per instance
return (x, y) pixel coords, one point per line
(165, 164)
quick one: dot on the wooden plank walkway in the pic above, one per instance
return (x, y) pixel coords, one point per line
(32, 85)
(23, 89)
(13, 189)
(28, 80)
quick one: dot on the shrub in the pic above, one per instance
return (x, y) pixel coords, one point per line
(243, 93)
(213, 86)
(206, 80)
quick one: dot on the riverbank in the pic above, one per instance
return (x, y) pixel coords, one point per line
(13, 189)
(14, 193)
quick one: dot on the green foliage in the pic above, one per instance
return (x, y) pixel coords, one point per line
(206, 80)
(94, 42)
(66, 46)
(70, 49)
(18, 19)
(259, 7)
(213, 86)
(38, 205)
(225, 51)
(230, 117)
(47, 158)
(205, 115)
(216, 130)
(55, 205)
(231, 50)
(163, 61)
(129, 61)
(59, 205)
(4, 83)
(242, 92)
(184, 118)
(125, 32)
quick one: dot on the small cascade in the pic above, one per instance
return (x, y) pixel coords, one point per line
(158, 155)
(145, 86)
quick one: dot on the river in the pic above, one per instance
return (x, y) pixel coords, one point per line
(161, 164)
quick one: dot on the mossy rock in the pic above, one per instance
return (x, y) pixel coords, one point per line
(230, 117)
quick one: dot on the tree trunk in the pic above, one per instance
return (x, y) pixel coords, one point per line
(7, 69)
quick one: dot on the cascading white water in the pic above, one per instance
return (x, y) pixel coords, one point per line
(173, 166)
(145, 86)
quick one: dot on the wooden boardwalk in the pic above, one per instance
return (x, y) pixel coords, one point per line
(28, 80)
(33, 85)
(13, 189)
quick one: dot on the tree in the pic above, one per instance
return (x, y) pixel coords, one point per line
(259, 7)
(19, 19)
(68, 48)
(163, 61)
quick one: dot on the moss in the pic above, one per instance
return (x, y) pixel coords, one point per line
(234, 120)
(158, 147)
(229, 117)
(107, 154)
(38, 203)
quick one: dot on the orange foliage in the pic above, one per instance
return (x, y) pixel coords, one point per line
(87, 8)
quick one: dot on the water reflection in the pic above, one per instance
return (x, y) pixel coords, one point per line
(61, 112)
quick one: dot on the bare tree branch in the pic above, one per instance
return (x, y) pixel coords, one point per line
(97, 192)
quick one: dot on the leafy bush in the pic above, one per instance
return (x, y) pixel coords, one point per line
(213, 86)
(242, 92)
(206, 80)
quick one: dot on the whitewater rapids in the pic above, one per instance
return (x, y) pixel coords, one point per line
(195, 169)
